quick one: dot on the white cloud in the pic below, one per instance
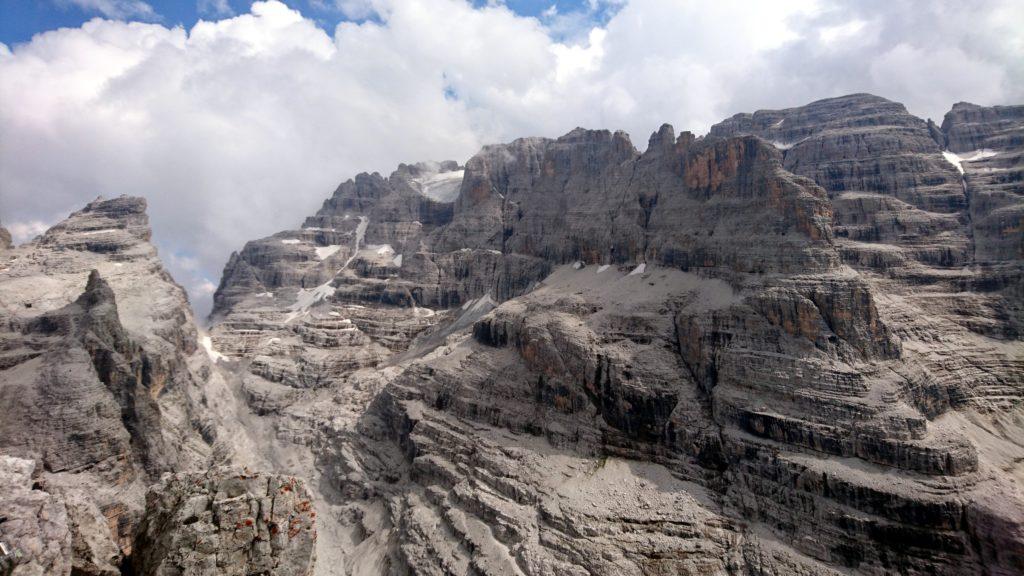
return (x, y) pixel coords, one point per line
(214, 8)
(116, 9)
(240, 127)
(352, 9)
(25, 231)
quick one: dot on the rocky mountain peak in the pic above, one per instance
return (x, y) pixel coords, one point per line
(96, 291)
(665, 136)
(788, 347)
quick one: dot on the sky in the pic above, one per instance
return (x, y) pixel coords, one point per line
(236, 119)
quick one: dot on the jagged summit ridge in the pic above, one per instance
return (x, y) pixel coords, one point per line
(797, 317)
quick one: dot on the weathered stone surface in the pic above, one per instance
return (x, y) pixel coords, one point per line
(988, 144)
(790, 347)
(105, 385)
(226, 522)
(892, 190)
(33, 524)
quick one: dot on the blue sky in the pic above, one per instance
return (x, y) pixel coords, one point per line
(21, 19)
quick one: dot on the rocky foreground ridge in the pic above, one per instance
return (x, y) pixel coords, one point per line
(792, 346)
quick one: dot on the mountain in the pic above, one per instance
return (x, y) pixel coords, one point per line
(792, 346)
(105, 388)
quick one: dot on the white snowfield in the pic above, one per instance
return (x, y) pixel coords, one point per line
(785, 145)
(291, 241)
(957, 160)
(640, 269)
(305, 299)
(207, 344)
(443, 187)
(325, 252)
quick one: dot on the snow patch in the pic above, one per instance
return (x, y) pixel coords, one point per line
(778, 124)
(958, 160)
(325, 252)
(360, 235)
(978, 155)
(482, 303)
(306, 298)
(577, 265)
(385, 249)
(640, 269)
(953, 159)
(443, 187)
(603, 267)
(103, 231)
(291, 241)
(265, 295)
(207, 344)
(397, 261)
(333, 313)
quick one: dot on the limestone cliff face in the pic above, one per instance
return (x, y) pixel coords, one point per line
(988, 144)
(788, 347)
(792, 346)
(105, 388)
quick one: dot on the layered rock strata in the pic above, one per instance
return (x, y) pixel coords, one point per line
(104, 388)
(776, 349)
(792, 346)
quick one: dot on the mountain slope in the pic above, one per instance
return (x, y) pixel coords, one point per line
(774, 349)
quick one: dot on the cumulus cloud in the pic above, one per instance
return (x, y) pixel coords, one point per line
(241, 126)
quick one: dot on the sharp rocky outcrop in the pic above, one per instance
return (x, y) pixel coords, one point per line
(105, 388)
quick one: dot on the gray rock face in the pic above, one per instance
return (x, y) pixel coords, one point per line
(891, 189)
(229, 522)
(104, 383)
(33, 524)
(904, 208)
(790, 347)
(988, 145)
(590, 196)
(772, 350)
